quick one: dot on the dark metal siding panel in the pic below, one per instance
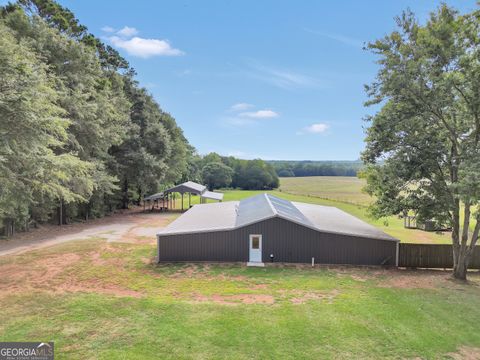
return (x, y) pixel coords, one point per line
(291, 242)
(287, 241)
(213, 246)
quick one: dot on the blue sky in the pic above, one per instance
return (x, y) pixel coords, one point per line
(269, 79)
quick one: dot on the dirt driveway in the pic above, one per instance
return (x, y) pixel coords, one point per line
(123, 227)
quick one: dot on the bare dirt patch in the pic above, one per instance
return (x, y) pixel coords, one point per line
(406, 278)
(97, 259)
(422, 279)
(357, 274)
(56, 274)
(303, 297)
(465, 353)
(247, 299)
(202, 271)
(144, 228)
(131, 226)
(258, 286)
(35, 274)
(97, 288)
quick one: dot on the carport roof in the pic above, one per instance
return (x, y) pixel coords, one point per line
(189, 186)
(154, 197)
(233, 214)
(212, 195)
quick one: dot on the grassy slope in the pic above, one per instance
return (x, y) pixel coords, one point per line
(364, 319)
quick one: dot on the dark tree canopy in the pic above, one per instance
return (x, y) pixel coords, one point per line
(247, 174)
(286, 168)
(217, 175)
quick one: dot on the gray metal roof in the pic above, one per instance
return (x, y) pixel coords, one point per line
(232, 214)
(212, 195)
(288, 211)
(334, 220)
(154, 197)
(203, 218)
(254, 209)
(264, 206)
(189, 186)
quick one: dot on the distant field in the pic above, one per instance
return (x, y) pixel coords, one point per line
(340, 188)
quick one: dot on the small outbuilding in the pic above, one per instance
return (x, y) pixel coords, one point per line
(265, 228)
(165, 200)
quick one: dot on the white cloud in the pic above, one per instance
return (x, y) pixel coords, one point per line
(108, 29)
(318, 128)
(260, 114)
(125, 39)
(247, 117)
(145, 48)
(347, 40)
(282, 78)
(127, 31)
(241, 107)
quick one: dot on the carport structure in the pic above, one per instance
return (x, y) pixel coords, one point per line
(167, 198)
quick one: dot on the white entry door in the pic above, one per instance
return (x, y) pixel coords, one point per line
(256, 248)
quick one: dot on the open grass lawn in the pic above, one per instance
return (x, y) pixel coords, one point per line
(110, 301)
(346, 189)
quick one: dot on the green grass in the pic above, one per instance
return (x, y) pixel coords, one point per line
(360, 318)
(339, 188)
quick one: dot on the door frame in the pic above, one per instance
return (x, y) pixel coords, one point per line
(260, 248)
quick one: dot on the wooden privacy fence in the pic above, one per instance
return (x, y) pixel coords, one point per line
(431, 256)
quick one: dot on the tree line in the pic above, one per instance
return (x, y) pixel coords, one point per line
(217, 171)
(79, 137)
(286, 168)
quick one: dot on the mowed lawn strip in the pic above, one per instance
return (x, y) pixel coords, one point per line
(346, 189)
(112, 301)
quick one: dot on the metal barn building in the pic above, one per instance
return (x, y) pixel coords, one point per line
(265, 228)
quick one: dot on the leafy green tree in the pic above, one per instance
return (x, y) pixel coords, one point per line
(193, 169)
(255, 175)
(93, 99)
(213, 157)
(35, 168)
(113, 142)
(177, 160)
(216, 175)
(423, 145)
(140, 160)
